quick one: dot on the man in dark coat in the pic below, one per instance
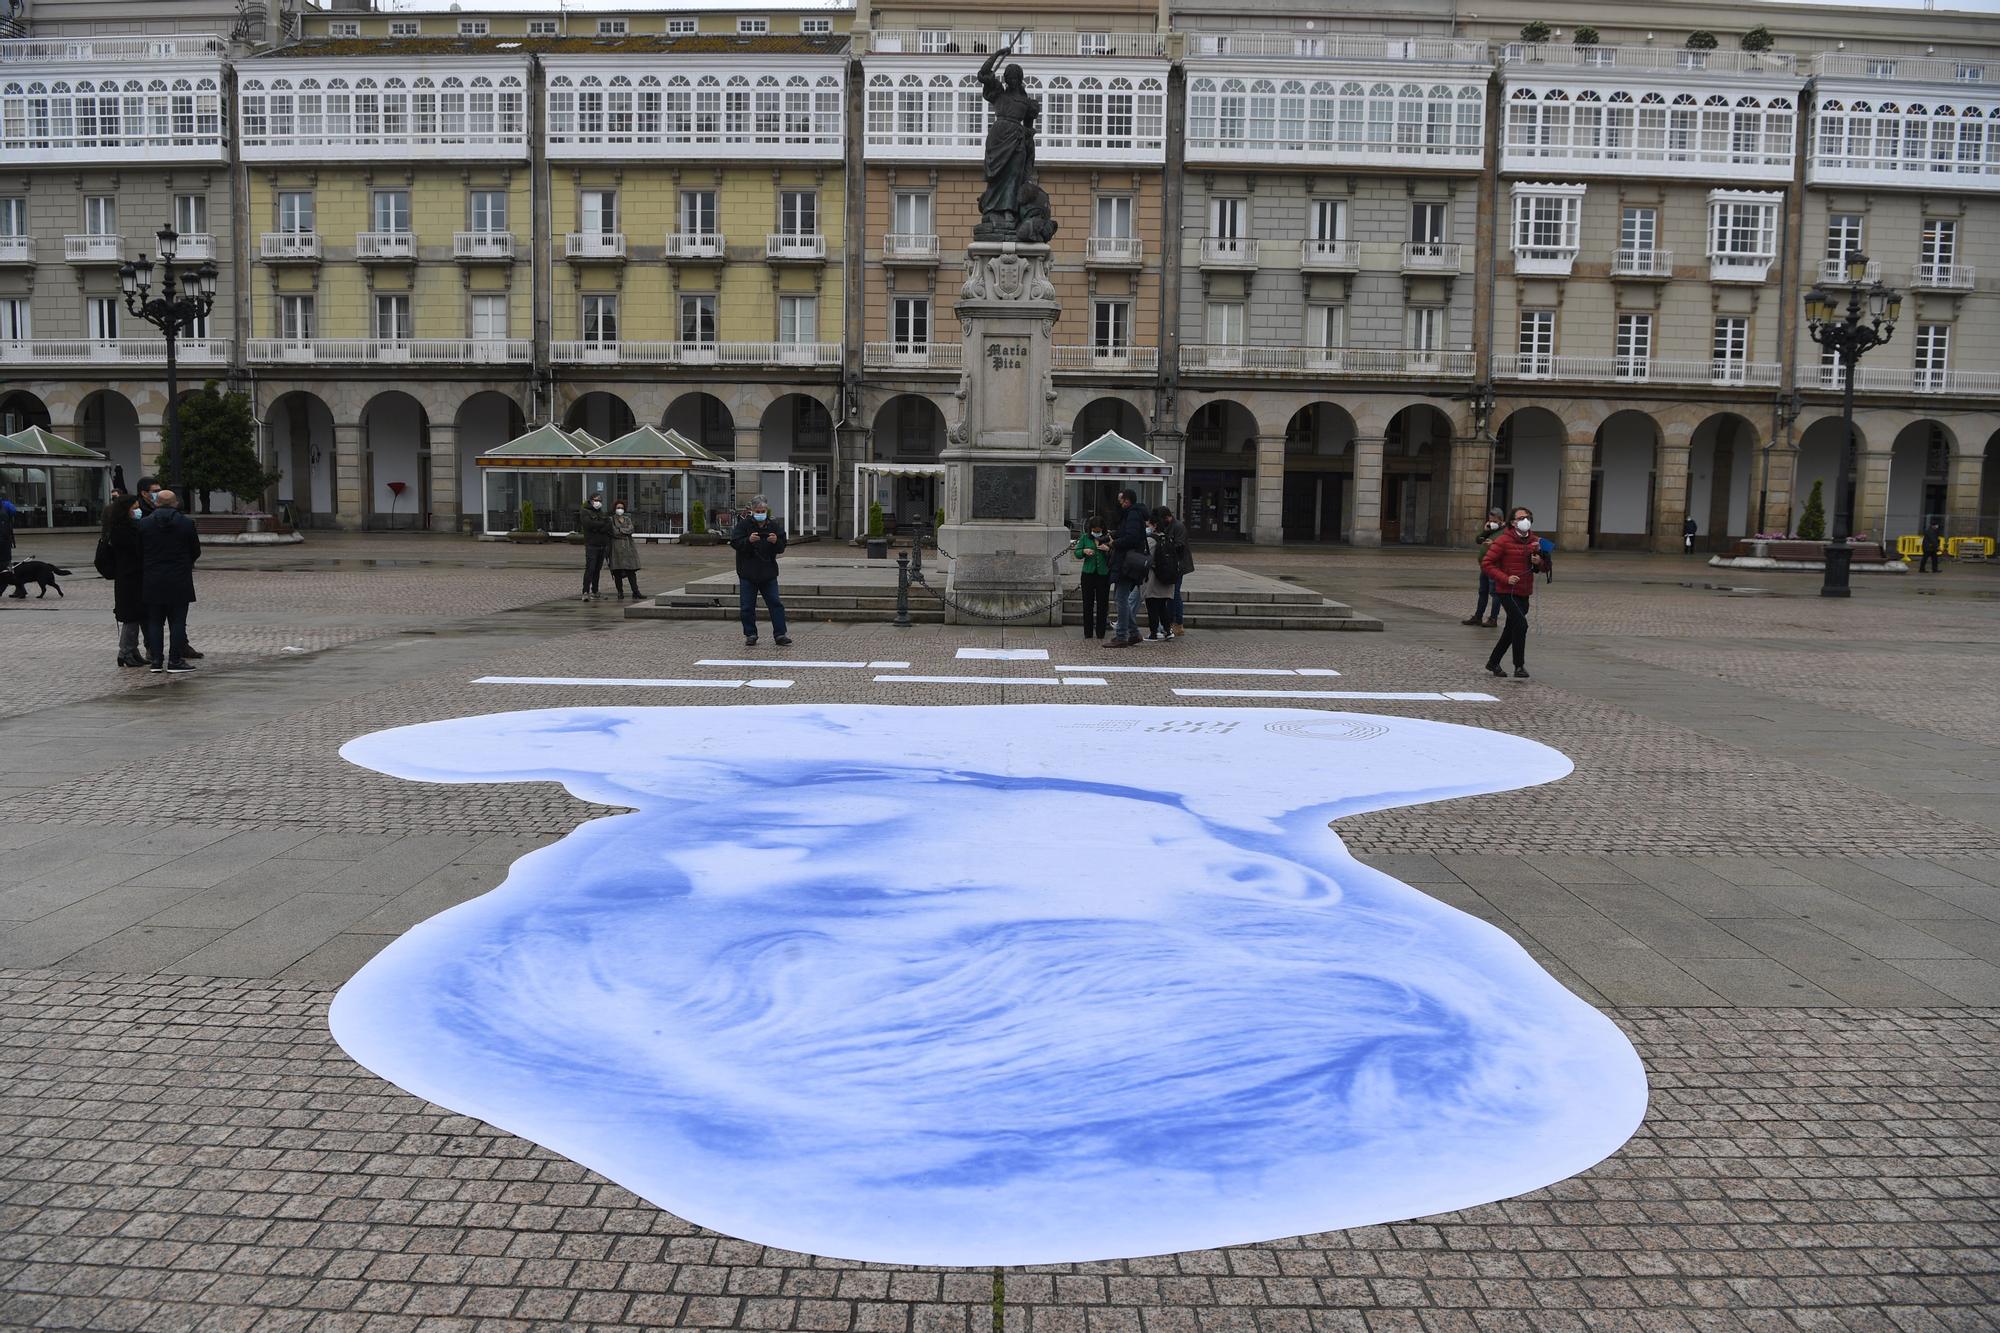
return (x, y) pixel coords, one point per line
(168, 548)
(128, 600)
(1127, 538)
(596, 525)
(1932, 551)
(759, 541)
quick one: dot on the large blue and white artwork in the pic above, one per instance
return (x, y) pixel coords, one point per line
(992, 985)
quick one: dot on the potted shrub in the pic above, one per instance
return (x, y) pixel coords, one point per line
(1536, 32)
(1758, 38)
(1812, 524)
(1701, 40)
(527, 531)
(697, 519)
(878, 545)
(1585, 36)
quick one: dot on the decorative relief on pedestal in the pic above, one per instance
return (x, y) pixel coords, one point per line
(1004, 273)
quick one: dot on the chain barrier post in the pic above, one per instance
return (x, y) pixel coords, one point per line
(918, 529)
(902, 620)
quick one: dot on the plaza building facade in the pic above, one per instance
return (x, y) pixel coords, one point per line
(1354, 276)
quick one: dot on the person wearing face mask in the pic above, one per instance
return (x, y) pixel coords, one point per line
(624, 551)
(1495, 523)
(596, 526)
(126, 565)
(759, 542)
(1511, 559)
(1091, 551)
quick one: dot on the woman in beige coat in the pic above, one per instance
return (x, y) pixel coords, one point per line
(624, 551)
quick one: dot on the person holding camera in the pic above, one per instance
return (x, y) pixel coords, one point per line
(759, 541)
(1089, 549)
(1511, 561)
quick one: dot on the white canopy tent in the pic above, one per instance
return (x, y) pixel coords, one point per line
(1108, 464)
(867, 476)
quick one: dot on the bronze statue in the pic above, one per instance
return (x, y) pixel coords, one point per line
(1010, 148)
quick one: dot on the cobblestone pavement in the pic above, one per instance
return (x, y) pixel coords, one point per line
(1782, 881)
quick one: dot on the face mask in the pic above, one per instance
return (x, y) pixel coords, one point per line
(1491, 525)
(1097, 534)
(138, 512)
(760, 516)
(620, 510)
(1524, 525)
(597, 504)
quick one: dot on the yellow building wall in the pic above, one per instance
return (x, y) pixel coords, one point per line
(746, 287)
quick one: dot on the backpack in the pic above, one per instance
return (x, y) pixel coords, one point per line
(1166, 561)
(106, 560)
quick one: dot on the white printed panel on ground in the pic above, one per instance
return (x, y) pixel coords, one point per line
(992, 985)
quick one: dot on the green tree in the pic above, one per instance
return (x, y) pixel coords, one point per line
(1701, 40)
(1758, 38)
(1585, 36)
(217, 453)
(1812, 523)
(1537, 31)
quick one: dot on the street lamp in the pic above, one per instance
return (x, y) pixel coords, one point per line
(1869, 321)
(173, 312)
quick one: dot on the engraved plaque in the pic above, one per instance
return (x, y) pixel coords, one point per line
(1003, 492)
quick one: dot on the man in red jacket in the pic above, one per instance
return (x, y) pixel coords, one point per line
(1511, 560)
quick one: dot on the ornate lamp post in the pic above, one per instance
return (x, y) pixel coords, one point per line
(174, 312)
(1869, 321)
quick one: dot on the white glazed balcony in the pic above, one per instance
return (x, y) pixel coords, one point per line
(1229, 252)
(695, 354)
(121, 351)
(1328, 256)
(283, 246)
(594, 245)
(1632, 370)
(1114, 251)
(395, 247)
(1739, 268)
(1432, 256)
(483, 246)
(1544, 260)
(695, 247)
(790, 247)
(900, 247)
(1942, 277)
(1835, 271)
(913, 356)
(978, 42)
(388, 351)
(1357, 362)
(1565, 55)
(1091, 359)
(94, 249)
(1339, 46)
(17, 249)
(1650, 264)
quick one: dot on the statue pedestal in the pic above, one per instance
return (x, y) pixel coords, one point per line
(1003, 458)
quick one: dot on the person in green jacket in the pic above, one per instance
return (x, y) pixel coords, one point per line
(1092, 550)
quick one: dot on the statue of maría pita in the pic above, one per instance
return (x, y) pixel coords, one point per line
(1014, 206)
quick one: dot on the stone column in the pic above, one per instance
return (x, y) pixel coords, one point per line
(1573, 523)
(1670, 490)
(840, 480)
(1368, 490)
(152, 443)
(1871, 492)
(1778, 490)
(749, 449)
(1471, 489)
(1267, 521)
(445, 479)
(350, 481)
(1961, 496)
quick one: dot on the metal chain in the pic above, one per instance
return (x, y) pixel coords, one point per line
(917, 577)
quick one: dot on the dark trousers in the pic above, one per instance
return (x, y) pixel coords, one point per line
(1514, 634)
(1096, 604)
(171, 617)
(618, 577)
(1486, 595)
(1934, 561)
(1159, 615)
(1180, 601)
(747, 591)
(593, 564)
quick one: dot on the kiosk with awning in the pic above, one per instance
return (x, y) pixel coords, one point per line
(53, 482)
(1108, 464)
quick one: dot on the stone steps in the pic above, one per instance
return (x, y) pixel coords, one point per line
(1303, 611)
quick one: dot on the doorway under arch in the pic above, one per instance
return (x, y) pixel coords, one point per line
(706, 420)
(484, 421)
(605, 415)
(395, 462)
(1722, 473)
(299, 428)
(1416, 477)
(1624, 482)
(1221, 482)
(1919, 481)
(1319, 475)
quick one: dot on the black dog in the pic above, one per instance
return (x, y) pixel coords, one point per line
(33, 571)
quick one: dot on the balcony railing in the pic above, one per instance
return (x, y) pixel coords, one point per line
(17, 249)
(967, 41)
(1642, 264)
(1113, 251)
(1942, 277)
(1328, 256)
(1974, 72)
(706, 246)
(194, 246)
(1107, 360)
(482, 245)
(1431, 256)
(1632, 370)
(390, 351)
(1340, 46)
(1228, 252)
(124, 351)
(1544, 260)
(900, 247)
(1518, 55)
(1892, 379)
(795, 247)
(1359, 362)
(696, 354)
(394, 246)
(594, 245)
(94, 249)
(913, 356)
(278, 246)
(1835, 271)
(1739, 268)
(102, 50)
